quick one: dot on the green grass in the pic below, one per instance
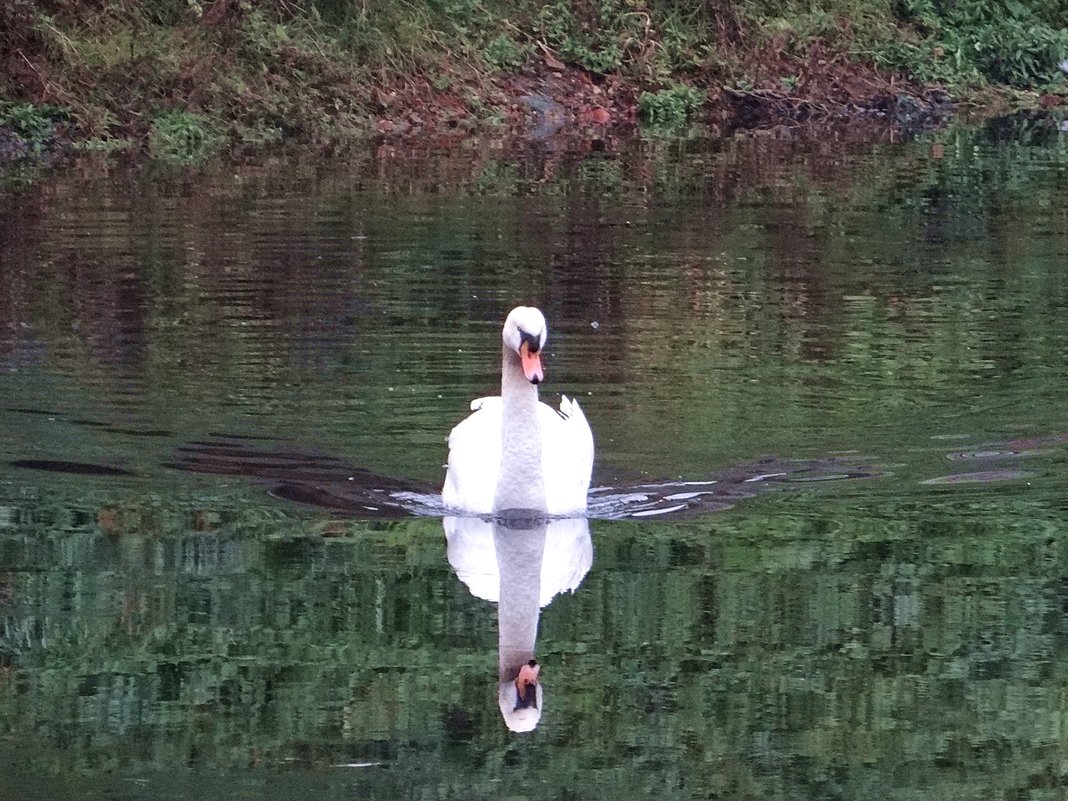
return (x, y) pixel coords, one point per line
(975, 44)
(35, 123)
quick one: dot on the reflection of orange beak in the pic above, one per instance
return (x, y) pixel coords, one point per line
(531, 363)
(526, 685)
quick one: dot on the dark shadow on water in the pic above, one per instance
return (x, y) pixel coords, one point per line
(71, 468)
(309, 478)
(328, 482)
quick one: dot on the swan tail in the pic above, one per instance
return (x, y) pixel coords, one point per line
(579, 439)
(570, 409)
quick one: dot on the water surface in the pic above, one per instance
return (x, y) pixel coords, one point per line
(169, 634)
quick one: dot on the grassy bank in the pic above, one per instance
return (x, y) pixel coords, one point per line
(185, 78)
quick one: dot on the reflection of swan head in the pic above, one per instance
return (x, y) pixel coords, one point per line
(525, 333)
(521, 700)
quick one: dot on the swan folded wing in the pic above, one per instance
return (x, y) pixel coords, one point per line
(567, 456)
(478, 403)
(474, 458)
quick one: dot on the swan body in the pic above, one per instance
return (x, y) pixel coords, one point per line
(514, 452)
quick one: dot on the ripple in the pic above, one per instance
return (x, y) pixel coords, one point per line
(961, 456)
(982, 477)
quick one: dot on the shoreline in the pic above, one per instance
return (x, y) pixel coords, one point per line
(226, 78)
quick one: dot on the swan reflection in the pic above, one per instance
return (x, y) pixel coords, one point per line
(520, 564)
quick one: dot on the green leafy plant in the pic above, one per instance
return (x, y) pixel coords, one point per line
(670, 107)
(504, 53)
(33, 124)
(972, 42)
(1020, 54)
(182, 137)
(603, 36)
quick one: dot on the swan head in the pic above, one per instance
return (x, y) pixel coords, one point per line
(525, 333)
(521, 700)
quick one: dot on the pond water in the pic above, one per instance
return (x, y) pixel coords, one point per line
(716, 306)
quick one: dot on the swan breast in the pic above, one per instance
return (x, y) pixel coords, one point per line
(475, 457)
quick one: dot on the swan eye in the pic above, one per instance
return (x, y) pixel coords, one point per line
(533, 342)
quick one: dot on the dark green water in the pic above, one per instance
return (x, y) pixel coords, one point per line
(171, 635)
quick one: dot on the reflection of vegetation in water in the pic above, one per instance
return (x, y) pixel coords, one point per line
(249, 636)
(749, 296)
(765, 650)
(496, 177)
(600, 176)
(758, 293)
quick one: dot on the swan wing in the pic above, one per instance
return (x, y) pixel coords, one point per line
(567, 456)
(474, 458)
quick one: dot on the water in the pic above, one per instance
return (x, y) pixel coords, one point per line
(715, 306)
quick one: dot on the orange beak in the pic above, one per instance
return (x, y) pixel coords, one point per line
(531, 363)
(526, 685)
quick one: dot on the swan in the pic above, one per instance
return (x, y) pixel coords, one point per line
(514, 452)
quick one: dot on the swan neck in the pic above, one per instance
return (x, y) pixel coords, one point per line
(519, 559)
(520, 483)
(514, 385)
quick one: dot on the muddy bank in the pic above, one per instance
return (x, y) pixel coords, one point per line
(185, 82)
(546, 99)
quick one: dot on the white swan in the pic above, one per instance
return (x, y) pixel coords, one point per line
(514, 452)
